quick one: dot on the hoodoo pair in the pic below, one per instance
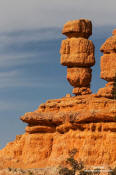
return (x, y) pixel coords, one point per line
(77, 53)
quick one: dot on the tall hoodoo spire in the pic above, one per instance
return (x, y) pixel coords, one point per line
(108, 66)
(77, 53)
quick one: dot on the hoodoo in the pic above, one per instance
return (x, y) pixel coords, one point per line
(85, 122)
(77, 53)
(108, 67)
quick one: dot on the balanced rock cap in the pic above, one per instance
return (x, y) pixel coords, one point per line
(110, 44)
(78, 28)
(114, 32)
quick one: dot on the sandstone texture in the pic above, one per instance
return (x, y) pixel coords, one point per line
(74, 74)
(78, 28)
(108, 91)
(77, 53)
(108, 67)
(85, 122)
(81, 91)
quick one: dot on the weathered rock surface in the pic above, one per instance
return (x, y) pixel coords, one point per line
(79, 76)
(86, 123)
(110, 45)
(81, 91)
(77, 53)
(108, 67)
(108, 91)
(78, 28)
(39, 129)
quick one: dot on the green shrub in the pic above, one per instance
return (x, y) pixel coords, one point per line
(75, 165)
(113, 172)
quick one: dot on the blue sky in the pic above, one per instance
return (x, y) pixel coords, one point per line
(30, 38)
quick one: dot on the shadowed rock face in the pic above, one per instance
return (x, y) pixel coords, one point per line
(108, 66)
(83, 122)
(77, 53)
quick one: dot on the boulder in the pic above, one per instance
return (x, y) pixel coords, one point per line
(79, 76)
(78, 52)
(78, 28)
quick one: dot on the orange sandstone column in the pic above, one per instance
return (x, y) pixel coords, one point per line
(108, 66)
(77, 53)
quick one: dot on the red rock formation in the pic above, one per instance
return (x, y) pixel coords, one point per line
(74, 74)
(85, 122)
(108, 66)
(77, 53)
(78, 28)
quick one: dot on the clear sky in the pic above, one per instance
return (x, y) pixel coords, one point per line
(30, 37)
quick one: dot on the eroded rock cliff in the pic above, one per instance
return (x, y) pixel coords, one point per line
(86, 122)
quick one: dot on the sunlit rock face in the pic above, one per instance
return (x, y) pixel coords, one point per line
(85, 122)
(78, 28)
(77, 53)
(108, 67)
